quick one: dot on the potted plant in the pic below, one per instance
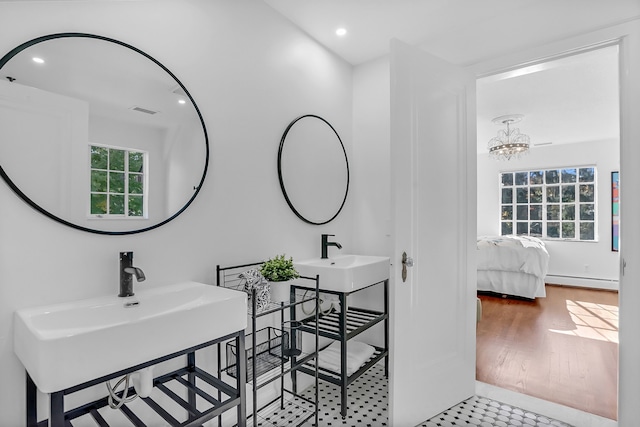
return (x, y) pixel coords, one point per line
(279, 271)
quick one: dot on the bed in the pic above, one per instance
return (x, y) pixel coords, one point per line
(512, 265)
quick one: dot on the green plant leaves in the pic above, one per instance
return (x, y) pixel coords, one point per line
(279, 269)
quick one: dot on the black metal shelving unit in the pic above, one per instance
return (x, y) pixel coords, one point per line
(342, 326)
(265, 360)
(191, 381)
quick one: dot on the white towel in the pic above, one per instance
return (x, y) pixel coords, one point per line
(357, 354)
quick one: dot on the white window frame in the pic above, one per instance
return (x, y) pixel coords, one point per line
(126, 194)
(544, 203)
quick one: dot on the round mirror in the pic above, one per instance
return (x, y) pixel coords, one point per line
(98, 135)
(313, 169)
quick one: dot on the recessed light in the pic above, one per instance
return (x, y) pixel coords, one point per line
(341, 32)
(38, 60)
(182, 101)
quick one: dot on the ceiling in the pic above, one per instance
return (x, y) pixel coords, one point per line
(570, 100)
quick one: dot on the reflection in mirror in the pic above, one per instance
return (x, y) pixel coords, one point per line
(98, 135)
(313, 169)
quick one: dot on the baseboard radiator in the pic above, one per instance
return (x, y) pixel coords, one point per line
(583, 282)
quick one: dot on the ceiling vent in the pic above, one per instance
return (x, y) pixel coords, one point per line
(144, 110)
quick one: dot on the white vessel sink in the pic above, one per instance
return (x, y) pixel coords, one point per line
(346, 273)
(66, 344)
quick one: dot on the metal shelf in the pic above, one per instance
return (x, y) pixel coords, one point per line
(267, 367)
(358, 321)
(336, 378)
(343, 326)
(184, 397)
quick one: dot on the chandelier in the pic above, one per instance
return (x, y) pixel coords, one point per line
(509, 143)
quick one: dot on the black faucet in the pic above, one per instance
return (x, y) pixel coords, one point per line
(127, 271)
(326, 243)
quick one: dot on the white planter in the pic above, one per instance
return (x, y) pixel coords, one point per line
(280, 291)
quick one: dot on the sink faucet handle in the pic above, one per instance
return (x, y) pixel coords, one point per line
(326, 243)
(127, 271)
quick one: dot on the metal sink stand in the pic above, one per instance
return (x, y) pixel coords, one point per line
(185, 377)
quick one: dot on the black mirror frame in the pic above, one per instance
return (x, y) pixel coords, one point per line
(281, 179)
(37, 207)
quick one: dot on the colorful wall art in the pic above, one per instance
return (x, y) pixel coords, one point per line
(615, 211)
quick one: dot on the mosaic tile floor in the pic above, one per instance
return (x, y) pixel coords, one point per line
(368, 408)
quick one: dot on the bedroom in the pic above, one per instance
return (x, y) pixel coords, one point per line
(571, 114)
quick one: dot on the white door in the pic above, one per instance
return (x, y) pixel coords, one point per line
(433, 170)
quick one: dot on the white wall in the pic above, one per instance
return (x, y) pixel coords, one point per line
(251, 72)
(567, 259)
(371, 145)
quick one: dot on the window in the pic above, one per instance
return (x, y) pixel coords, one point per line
(551, 204)
(118, 187)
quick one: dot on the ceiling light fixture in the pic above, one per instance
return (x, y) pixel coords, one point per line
(341, 32)
(38, 60)
(509, 143)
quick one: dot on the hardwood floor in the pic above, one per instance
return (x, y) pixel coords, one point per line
(562, 348)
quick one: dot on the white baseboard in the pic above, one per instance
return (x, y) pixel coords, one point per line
(583, 282)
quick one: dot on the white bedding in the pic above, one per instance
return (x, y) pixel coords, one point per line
(512, 265)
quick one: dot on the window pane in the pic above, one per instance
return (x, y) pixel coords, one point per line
(552, 176)
(99, 157)
(536, 195)
(116, 204)
(116, 182)
(522, 195)
(587, 212)
(535, 212)
(568, 193)
(536, 229)
(569, 213)
(586, 174)
(98, 204)
(522, 178)
(523, 228)
(136, 184)
(135, 205)
(522, 212)
(553, 212)
(553, 203)
(568, 230)
(98, 181)
(569, 175)
(535, 177)
(507, 195)
(553, 194)
(136, 162)
(507, 228)
(586, 193)
(587, 231)
(116, 160)
(507, 213)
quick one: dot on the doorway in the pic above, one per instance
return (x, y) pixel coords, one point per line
(571, 112)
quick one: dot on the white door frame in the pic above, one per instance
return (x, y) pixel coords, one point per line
(627, 35)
